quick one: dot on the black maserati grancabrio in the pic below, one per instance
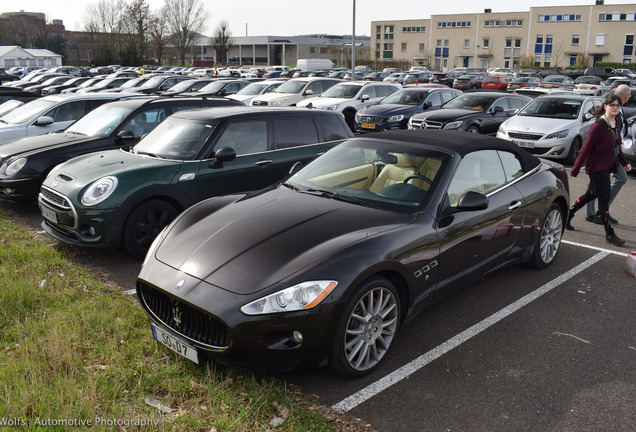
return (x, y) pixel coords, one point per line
(324, 268)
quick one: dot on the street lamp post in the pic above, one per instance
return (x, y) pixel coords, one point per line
(353, 44)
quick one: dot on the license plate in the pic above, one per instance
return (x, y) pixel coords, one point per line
(48, 214)
(527, 144)
(176, 345)
(368, 126)
(547, 85)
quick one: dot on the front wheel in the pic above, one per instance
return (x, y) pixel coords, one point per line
(367, 328)
(575, 148)
(549, 240)
(144, 223)
(472, 129)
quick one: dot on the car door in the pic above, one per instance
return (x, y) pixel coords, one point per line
(250, 139)
(498, 112)
(589, 106)
(476, 241)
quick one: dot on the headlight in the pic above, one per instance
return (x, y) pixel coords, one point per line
(99, 191)
(10, 169)
(305, 295)
(557, 135)
(627, 144)
(395, 118)
(502, 130)
(454, 125)
(330, 107)
(276, 102)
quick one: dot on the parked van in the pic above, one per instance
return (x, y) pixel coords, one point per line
(314, 64)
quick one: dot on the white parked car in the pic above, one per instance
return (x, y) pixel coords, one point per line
(295, 90)
(552, 126)
(349, 97)
(49, 114)
(255, 89)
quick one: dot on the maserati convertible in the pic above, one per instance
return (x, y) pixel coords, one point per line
(323, 268)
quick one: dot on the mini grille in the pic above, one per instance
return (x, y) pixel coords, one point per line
(55, 199)
(525, 136)
(183, 318)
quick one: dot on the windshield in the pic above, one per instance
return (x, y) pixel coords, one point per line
(153, 82)
(100, 122)
(404, 97)
(344, 91)
(375, 166)
(104, 83)
(90, 82)
(293, 86)
(470, 102)
(253, 89)
(28, 111)
(175, 138)
(134, 82)
(551, 107)
(183, 85)
(9, 105)
(214, 86)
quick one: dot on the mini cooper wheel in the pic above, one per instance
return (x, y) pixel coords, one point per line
(549, 240)
(367, 328)
(144, 223)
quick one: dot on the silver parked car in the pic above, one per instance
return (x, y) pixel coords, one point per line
(553, 127)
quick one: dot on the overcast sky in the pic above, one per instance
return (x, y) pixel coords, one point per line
(265, 17)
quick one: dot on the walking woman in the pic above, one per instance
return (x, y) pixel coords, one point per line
(600, 153)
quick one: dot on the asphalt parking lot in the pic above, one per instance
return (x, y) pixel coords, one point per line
(521, 350)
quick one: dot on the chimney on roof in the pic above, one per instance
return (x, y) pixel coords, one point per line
(490, 10)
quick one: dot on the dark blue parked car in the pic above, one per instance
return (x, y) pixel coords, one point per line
(394, 111)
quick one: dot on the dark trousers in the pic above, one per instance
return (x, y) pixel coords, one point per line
(598, 188)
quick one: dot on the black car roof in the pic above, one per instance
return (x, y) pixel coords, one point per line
(250, 111)
(458, 142)
(137, 101)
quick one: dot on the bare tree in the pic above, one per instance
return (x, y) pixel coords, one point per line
(136, 18)
(158, 29)
(106, 17)
(222, 42)
(185, 18)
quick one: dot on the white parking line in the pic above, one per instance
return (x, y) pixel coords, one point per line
(398, 375)
(583, 245)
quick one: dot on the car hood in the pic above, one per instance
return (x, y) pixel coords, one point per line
(443, 115)
(34, 144)
(79, 172)
(258, 241)
(287, 98)
(386, 110)
(542, 125)
(321, 102)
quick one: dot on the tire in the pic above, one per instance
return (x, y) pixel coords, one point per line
(549, 240)
(367, 329)
(575, 148)
(472, 129)
(144, 223)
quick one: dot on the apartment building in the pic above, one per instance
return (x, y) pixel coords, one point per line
(545, 36)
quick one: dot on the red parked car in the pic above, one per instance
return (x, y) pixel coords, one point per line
(496, 82)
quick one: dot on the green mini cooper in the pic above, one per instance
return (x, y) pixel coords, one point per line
(125, 198)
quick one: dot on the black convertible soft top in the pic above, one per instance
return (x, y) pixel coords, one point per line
(458, 142)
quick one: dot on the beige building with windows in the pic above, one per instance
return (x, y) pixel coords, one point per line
(544, 36)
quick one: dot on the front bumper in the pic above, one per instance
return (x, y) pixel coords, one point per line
(558, 148)
(208, 318)
(21, 189)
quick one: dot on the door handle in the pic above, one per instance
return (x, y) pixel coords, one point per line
(263, 162)
(515, 205)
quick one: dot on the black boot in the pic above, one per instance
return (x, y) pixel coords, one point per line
(573, 209)
(610, 235)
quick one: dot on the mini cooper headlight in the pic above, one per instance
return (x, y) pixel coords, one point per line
(558, 135)
(305, 295)
(99, 191)
(10, 169)
(395, 118)
(454, 125)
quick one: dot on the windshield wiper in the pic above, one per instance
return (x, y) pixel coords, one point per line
(339, 197)
(149, 154)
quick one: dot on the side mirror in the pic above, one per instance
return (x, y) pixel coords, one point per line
(224, 154)
(472, 201)
(427, 105)
(222, 92)
(365, 98)
(44, 121)
(125, 135)
(309, 92)
(496, 110)
(589, 116)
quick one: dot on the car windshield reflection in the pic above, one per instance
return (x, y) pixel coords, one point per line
(554, 108)
(175, 138)
(99, 122)
(405, 98)
(399, 179)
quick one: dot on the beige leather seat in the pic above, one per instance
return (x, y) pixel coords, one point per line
(394, 173)
(429, 169)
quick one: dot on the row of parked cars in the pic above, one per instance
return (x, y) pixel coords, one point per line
(333, 253)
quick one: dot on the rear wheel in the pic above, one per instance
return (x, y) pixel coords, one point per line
(367, 328)
(549, 240)
(144, 223)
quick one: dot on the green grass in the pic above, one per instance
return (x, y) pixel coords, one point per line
(76, 351)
